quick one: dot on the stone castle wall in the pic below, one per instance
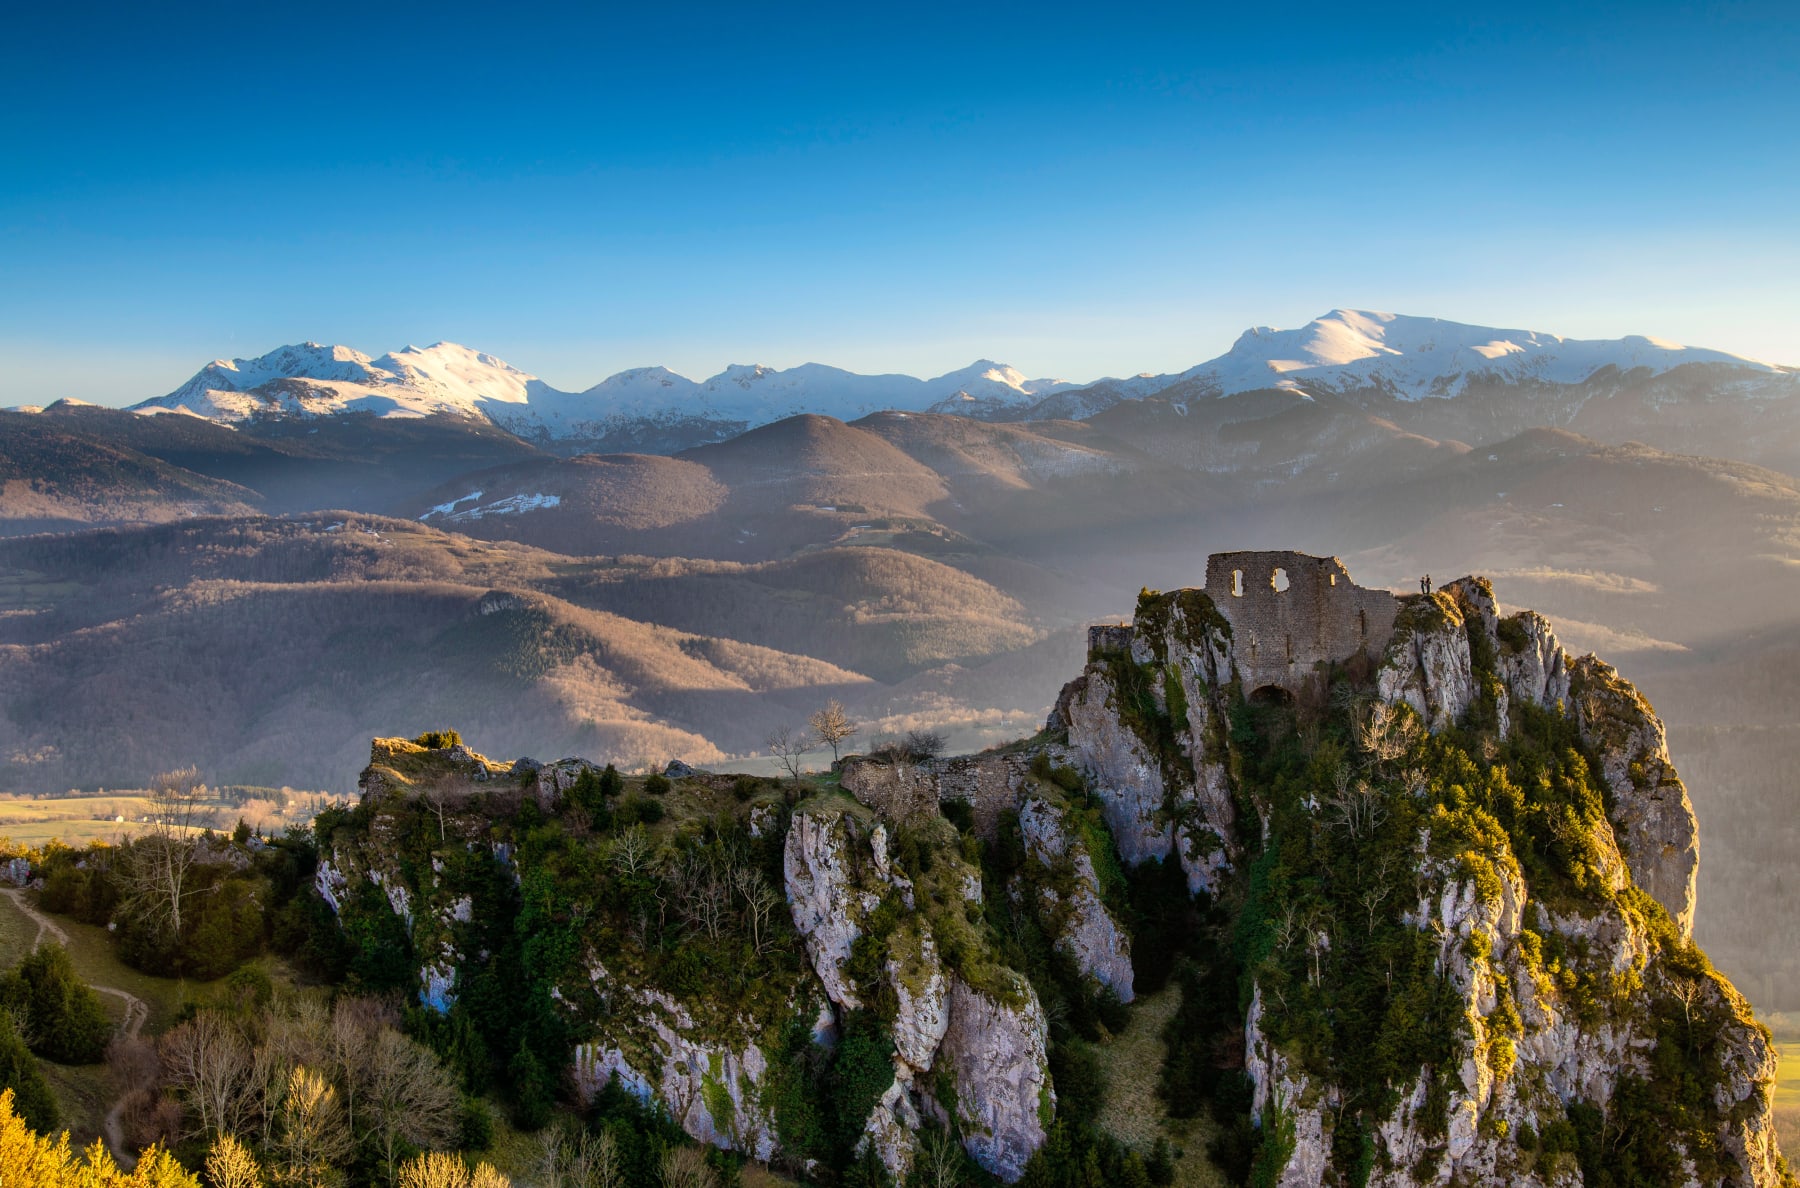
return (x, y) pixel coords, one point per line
(989, 783)
(1289, 611)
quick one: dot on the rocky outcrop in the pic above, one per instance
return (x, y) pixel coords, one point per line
(655, 1049)
(921, 993)
(898, 789)
(1145, 723)
(992, 1039)
(1119, 767)
(1562, 996)
(1069, 890)
(1531, 662)
(1427, 664)
(1004, 1099)
(1650, 806)
(828, 895)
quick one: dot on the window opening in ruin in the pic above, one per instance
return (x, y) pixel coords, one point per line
(1271, 695)
(1333, 578)
(1362, 622)
(1280, 580)
(1237, 583)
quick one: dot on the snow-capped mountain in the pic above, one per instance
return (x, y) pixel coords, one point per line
(316, 380)
(311, 379)
(1413, 357)
(652, 409)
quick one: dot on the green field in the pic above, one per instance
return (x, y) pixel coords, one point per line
(1787, 1094)
(1134, 1114)
(75, 820)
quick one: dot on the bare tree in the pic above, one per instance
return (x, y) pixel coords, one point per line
(164, 854)
(1386, 731)
(230, 1165)
(435, 1169)
(212, 1068)
(576, 1158)
(313, 1137)
(632, 853)
(702, 885)
(1356, 806)
(939, 1161)
(685, 1167)
(357, 1024)
(759, 906)
(790, 746)
(833, 726)
(923, 744)
(409, 1097)
(1376, 892)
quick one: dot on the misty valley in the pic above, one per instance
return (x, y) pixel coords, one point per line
(1352, 765)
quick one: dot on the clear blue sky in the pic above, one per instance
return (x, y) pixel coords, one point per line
(1100, 189)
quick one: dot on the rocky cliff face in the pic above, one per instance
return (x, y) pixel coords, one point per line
(1545, 852)
(974, 1019)
(1454, 877)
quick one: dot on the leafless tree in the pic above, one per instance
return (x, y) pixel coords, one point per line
(211, 1067)
(1356, 806)
(923, 744)
(1385, 731)
(313, 1137)
(163, 855)
(939, 1161)
(833, 727)
(357, 1024)
(576, 1158)
(435, 1169)
(409, 1097)
(685, 1167)
(292, 1037)
(701, 883)
(790, 746)
(1376, 892)
(230, 1165)
(760, 903)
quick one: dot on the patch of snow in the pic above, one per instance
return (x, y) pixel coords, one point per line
(512, 505)
(444, 509)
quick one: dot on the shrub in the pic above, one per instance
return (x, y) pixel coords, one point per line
(19, 1072)
(438, 740)
(638, 810)
(64, 1017)
(657, 784)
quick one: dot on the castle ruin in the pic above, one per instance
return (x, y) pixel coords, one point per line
(1288, 612)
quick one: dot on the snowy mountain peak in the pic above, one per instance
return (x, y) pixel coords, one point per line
(1346, 350)
(313, 379)
(1413, 357)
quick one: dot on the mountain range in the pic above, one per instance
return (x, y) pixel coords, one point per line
(652, 409)
(324, 572)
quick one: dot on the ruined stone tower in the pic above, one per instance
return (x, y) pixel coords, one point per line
(1289, 611)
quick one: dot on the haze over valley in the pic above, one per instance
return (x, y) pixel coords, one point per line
(287, 555)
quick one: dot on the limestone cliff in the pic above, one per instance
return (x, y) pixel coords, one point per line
(1469, 876)
(1441, 875)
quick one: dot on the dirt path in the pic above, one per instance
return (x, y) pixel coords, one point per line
(136, 1012)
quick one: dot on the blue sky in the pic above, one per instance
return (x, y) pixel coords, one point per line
(1078, 191)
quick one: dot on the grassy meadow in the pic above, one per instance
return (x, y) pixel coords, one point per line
(1133, 1061)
